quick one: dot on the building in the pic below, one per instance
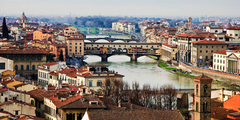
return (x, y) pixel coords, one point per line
(57, 49)
(6, 64)
(70, 30)
(124, 26)
(44, 70)
(75, 45)
(133, 115)
(37, 97)
(214, 29)
(234, 32)
(42, 34)
(169, 52)
(202, 97)
(23, 18)
(25, 60)
(202, 52)
(220, 60)
(16, 108)
(76, 109)
(227, 61)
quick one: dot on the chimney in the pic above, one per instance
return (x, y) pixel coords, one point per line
(119, 103)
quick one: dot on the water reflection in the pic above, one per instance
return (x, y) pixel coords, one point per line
(145, 70)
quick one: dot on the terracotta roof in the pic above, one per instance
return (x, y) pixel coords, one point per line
(6, 112)
(202, 77)
(59, 45)
(233, 28)
(53, 73)
(5, 83)
(169, 45)
(38, 94)
(135, 115)
(50, 64)
(84, 103)
(221, 52)
(58, 103)
(214, 42)
(18, 85)
(75, 38)
(3, 89)
(23, 51)
(15, 101)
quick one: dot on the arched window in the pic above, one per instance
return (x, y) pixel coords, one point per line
(197, 89)
(33, 67)
(32, 102)
(205, 107)
(27, 67)
(16, 67)
(205, 90)
(6, 99)
(22, 67)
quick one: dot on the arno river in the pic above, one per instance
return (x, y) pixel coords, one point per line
(145, 70)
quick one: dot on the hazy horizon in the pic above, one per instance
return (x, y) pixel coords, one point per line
(136, 8)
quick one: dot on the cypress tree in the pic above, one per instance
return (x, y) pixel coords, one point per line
(5, 29)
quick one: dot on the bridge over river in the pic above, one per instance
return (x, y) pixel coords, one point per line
(133, 50)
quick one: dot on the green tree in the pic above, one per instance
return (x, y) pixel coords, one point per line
(50, 57)
(61, 56)
(5, 29)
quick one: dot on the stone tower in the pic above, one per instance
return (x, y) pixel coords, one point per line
(202, 97)
(189, 23)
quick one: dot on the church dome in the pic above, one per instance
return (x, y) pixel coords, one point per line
(23, 17)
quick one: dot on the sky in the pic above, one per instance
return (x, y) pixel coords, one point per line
(136, 8)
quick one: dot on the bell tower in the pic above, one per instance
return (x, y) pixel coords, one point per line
(202, 97)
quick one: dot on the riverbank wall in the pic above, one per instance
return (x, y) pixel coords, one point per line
(213, 74)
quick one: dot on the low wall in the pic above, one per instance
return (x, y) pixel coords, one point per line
(213, 74)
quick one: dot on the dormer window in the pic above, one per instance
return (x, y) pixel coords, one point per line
(93, 102)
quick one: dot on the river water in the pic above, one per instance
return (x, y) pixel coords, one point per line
(144, 71)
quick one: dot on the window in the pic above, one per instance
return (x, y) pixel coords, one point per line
(2, 65)
(27, 67)
(75, 43)
(216, 31)
(230, 34)
(90, 83)
(22, 58)
(70, 43)
(206, 46)
(197, 89)
(80, 43)
(196, 106)
(99, 83)
(200, 51)
(1, 94)
(212, 46)
(33, 67)
(39, 58)
(16, 67)
(6, 99)
(16, 112)
(236, 34)
(200, 46)
(211, 51)
(70, 49)
(16, 58)
(22, 67)
(33, 57)
(32, 102)
(222, 46)
(206, 51)
(220, 38)
(27, 58)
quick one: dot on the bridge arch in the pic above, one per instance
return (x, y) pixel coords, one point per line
(87, 41)
(102, 41)
(118, 41)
